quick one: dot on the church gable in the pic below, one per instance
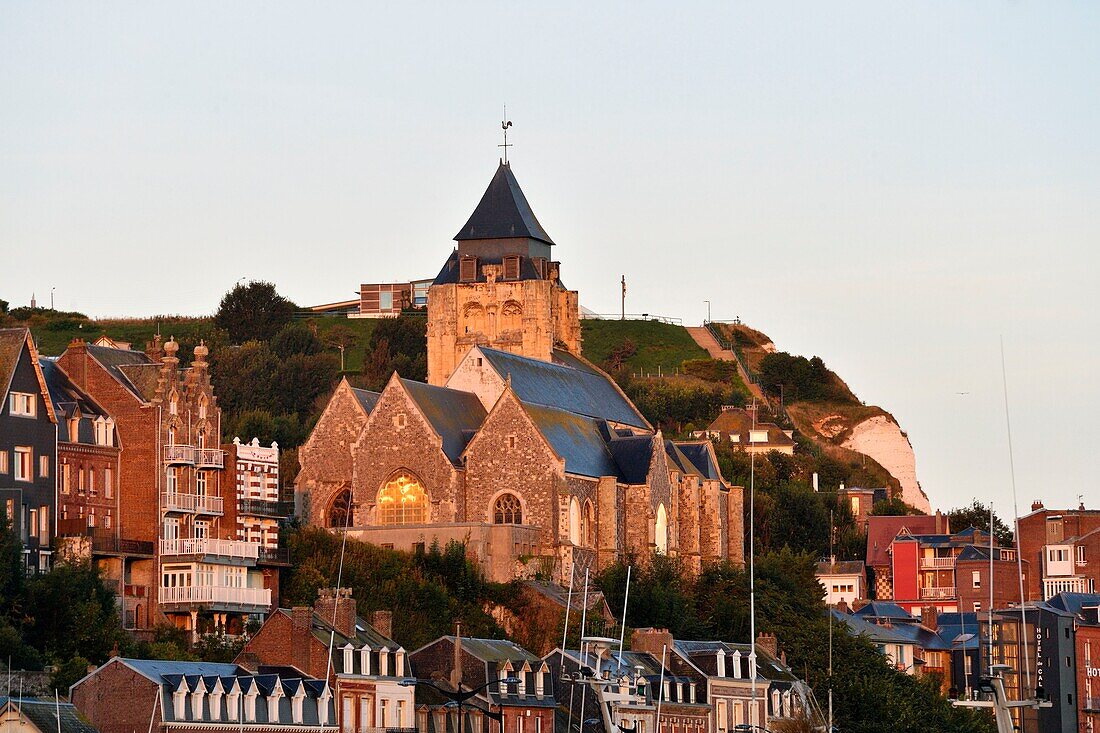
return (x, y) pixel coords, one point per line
(399, 448)
(326, 454)
(509, 463)
(476, 374)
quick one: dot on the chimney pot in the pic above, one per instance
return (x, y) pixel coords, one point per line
(1036, 505)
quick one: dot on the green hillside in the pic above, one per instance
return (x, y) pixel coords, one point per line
(659, 345)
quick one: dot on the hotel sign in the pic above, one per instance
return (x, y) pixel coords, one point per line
(1092, 671)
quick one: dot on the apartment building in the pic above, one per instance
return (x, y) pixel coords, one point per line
(173, 492)
(1064, 548)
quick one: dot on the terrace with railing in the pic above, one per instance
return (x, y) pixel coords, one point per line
(189, 594)
(210, 547)
(937, 563)
(177, 501)
(937, 592)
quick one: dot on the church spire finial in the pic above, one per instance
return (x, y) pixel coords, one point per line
(505, 124)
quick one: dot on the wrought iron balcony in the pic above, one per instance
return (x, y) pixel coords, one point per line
(209, 458)
(176, 501)
(179, 455)
(274, 555)
(262, 508)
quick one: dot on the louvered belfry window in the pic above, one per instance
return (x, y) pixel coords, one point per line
(511, 268)
(467, 269)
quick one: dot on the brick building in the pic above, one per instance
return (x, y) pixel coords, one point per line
(881, 532)
(365, 668)
(173, 491)
(1088, 663)
(127, 695)
(28, 448)
(254, 469)
(1063, 546)
(518, 447)
(89, 461)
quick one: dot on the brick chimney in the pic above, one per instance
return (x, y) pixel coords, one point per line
(382, 621)
(768, 643)
(339, 603)
(301, 623)
(929, 617)
(842, 606)
(1036, 505)
(650, 641)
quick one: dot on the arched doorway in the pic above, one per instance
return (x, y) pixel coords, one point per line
(661, 530)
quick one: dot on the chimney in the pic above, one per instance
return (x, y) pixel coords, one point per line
(859, 603)
(768, 643)
(382, 621)
(842, 606)
(339, 603)
(301, 626)
(929, 618)
(651, 641)
(153, 349)
(1036, 505)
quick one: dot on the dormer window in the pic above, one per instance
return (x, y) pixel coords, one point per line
(196, 702)
(737, 664)
(511, 267)
(540, 680)
(74, 429)
(364, 660)
(233, 705)
(540, 266)
(273, 704)
(179, 702)
(467, 269)
(349, 663)
(216, 702)
(250, 706)
(384, 661)
(296, 705)
(399, 663)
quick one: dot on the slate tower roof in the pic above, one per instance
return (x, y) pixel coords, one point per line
(503, 212)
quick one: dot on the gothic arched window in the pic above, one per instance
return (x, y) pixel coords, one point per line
(402, 500)
(661, 530)
(511, 317)
(339, 512)
(588, 521)
(507, 510)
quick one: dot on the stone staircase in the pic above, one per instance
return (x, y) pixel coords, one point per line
(705, 339)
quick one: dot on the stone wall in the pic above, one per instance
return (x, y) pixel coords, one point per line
(326, 457)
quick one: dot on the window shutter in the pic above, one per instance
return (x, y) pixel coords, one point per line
(467, 270)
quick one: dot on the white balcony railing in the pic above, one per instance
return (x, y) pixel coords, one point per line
(175, 501)
(216, 594)
(209, 457)
(179, 454)
(938, 593)
(209, 546)
(937, 563)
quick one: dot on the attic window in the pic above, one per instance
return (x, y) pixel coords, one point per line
(467, 269)
(399, 420)
(511, 442)
(511, 267)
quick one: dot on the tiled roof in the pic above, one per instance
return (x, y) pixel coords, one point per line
(43, 714)
(576, 439)
(503, 212)
(739, 422)
(840, 567)
(11, 346)
(881, 532)
(144, 378)
(454, 415)
(576, 387)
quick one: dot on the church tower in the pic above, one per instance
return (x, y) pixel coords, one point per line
(500, 287)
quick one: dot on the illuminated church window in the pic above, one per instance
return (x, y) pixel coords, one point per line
(402, 500)
(507, 510)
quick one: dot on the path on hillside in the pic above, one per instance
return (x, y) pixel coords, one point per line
(705, 338)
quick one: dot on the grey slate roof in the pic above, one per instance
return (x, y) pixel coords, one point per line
(69, 400)
(884, 610)
(114, 359)
(577, 387)
(632, 455)
(681, 461)
(43, 714)
(577, 439)
(157, 669)
(455, 415)
(503, 212)
(702, 654)
(841, 567)
(367, 399)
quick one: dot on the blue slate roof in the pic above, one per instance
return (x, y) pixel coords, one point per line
(576, 387)
(367, 399)
(68, 401)
(632, 455)
(884, 610)
(503, 212)
(577, 439)
(157, 669)
(701, 457)
(43, 714)
(1075, 603)
(454, 415)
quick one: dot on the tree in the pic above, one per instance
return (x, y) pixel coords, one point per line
(341, 337)
(300, 380)
(245, 376)
(69, 612)
(977, 515)
(893, 507)
(296, 338)
(253, 311)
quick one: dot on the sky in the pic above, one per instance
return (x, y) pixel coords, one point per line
(895, 187)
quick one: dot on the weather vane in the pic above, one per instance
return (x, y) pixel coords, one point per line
(505, 124)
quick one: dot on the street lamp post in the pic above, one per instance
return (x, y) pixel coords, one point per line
(459, 696)
(708, 310)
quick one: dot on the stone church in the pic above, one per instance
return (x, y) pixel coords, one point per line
(517, 446)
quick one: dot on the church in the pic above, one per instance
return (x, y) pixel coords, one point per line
(517, 446)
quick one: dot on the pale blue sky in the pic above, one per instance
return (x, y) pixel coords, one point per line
(891, 186)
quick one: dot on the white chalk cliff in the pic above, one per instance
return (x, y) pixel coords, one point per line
(881, 438)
